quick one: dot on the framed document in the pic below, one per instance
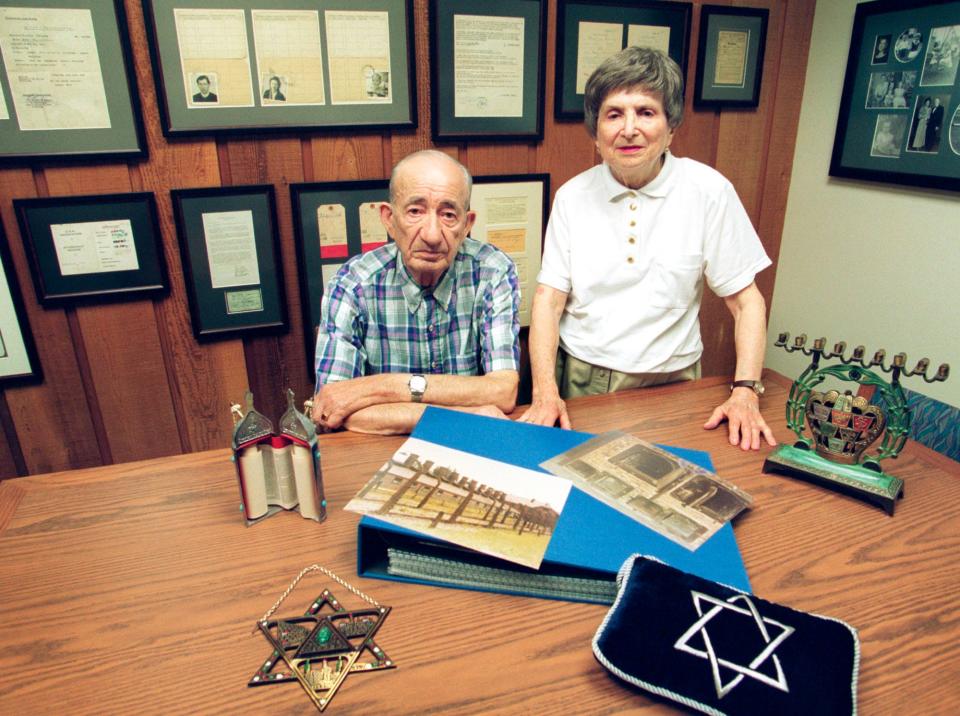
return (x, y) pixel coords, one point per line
(590, 32)
(900, 109)
(93, 247)
(487, 68)
(512, 215)
(67, 85)
(18, 355)
(255, 65)
(231, 259)
(332, 221)
(730, 56)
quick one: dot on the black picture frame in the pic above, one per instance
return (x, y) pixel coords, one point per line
(899, 118)
(742, 31)
(318, 260)
(103, 119)
(568, 101)
(19, 362)
(243, 291)
(477, 114)
(96, 247)
(378, 97)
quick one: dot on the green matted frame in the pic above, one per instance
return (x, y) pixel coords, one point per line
(86, 225)
(19, 362)
(221, 309)
(318, 260)
(481, 123)
(364, 105)
(122, 137)
(738, 34)
(675, 16)
(907, 50)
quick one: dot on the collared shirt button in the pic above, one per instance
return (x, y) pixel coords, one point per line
(629, 259)
(632, 240)
(633, 223)
(633, 207)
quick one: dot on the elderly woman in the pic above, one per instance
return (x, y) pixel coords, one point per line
(629, 245)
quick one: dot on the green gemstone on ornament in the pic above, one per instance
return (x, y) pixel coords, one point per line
(323, 636)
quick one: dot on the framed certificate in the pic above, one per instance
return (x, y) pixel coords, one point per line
(332, 221)
(231, 260)
(487, 69)
(18, 355)
(93, 247)
(730, 56)
(590, 32)
(68, 90)
(900, 109)
(256, 65)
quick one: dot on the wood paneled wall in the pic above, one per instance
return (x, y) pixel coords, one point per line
(126, 381)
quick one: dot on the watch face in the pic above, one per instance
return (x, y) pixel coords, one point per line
(418, 384)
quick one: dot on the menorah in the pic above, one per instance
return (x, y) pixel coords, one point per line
(843, 424)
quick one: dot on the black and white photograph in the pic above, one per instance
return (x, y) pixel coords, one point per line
(908, 45)
(202, 87)
(273, 89)
(888, 135)
(943, 54)
(376, 83)
(927, 124)
(891, 90)
(881, 50)
(955, 132)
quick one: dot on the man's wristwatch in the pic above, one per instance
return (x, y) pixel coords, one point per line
(417, 384)
(755, 385)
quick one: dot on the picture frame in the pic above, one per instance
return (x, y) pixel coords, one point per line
(332, 222)
(231, 260)
(730, 56)
(487, 69)
(19, 362)
(93, 247)
(352, 226)
(81, 105)
(899, 119)
(276, 69)
(519, 203)
(587, 33)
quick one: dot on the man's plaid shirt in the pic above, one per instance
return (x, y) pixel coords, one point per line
(376, 319)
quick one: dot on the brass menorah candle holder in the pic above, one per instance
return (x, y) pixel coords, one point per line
(844, 424)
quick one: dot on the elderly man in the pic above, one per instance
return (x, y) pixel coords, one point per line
(431, 318)
(628, 247)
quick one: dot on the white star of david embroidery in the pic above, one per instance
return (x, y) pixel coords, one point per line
(709, 653)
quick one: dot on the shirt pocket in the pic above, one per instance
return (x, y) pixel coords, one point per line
(675, 283)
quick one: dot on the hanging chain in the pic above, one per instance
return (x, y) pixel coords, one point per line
(304, 572)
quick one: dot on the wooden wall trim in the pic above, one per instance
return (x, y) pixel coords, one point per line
(127, 380)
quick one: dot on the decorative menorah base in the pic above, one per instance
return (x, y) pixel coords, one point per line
(863, 483)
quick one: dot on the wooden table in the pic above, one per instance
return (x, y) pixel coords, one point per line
(134, 588)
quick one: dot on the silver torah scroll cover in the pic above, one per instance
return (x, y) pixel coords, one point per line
(277, 470)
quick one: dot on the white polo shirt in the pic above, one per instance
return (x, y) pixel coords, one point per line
(633, 263)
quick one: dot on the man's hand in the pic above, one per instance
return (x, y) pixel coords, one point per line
(744, 421)
(335, 402)
(546, 412)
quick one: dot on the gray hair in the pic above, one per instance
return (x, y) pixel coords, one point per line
(635, 67)
(437, 155)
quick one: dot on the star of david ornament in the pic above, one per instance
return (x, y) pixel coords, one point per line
(323, 646)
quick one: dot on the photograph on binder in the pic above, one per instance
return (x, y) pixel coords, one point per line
(488, 506)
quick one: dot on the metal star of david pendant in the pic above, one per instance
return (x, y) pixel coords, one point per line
(322, 647)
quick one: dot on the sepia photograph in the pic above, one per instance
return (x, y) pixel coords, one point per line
(881, 49)
(488, 506)
(674, 497)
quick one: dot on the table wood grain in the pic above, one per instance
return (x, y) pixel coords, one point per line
(134, 588)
